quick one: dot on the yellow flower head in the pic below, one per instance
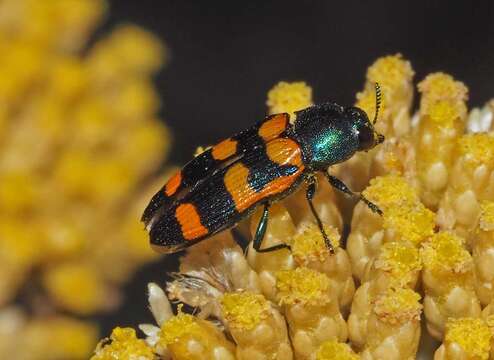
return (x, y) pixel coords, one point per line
(477, 149)
(446, 114)
(390, 190)
(59, 338)
(180, 326)
(440, 86)
(303, 285)
(177, 333)
(400, 260)
(333, 350)
(289, 97)
(410, 223)
(472, 335)
(124, 345)
(309, 244)
(390, 72)
(77, 287)
(244, 310)
(398, 306)
(445, 251)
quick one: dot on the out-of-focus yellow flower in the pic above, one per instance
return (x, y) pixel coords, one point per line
(77, 287)
(80, 142)
(57, 338)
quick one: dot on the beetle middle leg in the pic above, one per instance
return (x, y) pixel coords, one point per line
(310, 192)
(261, 231)
(340, 185)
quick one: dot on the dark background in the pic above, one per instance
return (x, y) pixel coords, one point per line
(225, 55)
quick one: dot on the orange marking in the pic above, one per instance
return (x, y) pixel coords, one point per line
(173, 184)
(190, 222)
(224, 149)
(284, 152)
(244, 196)
(272, 128)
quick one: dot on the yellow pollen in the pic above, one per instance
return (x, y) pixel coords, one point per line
(411, 223)
(178, 327)
(446, 251)
(477, 149)
(244, 310)
(309, 245)
(400, 260)
(446, 113)
(473, 336)
(303, 285)
(289, 97)
(398, 306)
(124, 345)
(440, 86)
(390, 71)
(390, 190)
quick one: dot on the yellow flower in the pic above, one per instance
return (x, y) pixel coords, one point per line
(289, 97)
(76, 287)
(123, 345)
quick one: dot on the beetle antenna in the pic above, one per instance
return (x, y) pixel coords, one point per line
(378, 102)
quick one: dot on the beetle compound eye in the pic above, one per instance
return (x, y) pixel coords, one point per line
(365, 137)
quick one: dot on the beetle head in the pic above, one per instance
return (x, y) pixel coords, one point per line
(363, 130)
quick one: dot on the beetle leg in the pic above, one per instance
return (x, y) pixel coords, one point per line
(240, 239)
(261, 231)
(309, 194)
(340, 185)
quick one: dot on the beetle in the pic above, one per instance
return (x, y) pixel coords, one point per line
(257, 167)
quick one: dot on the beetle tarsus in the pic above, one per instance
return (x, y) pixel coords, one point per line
(341, 186)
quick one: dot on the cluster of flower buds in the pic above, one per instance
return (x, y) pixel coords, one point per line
(426, 261)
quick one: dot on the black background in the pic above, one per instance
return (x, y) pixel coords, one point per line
(225, 55)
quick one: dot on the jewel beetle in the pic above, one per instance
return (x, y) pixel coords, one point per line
(257, 167)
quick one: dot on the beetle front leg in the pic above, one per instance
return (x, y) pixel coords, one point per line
(340, 185)
(261, 231)
(310, 192)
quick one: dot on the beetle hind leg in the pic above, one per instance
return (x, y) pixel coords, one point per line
(310, 192)
(261, 231)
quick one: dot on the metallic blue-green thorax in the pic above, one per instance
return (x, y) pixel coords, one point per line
(326, 136)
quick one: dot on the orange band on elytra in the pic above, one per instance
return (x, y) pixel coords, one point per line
(224, 149)
(273, 127)
(173, 184)
(190, 222)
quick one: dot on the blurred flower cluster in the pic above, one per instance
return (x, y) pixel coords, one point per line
(415, 282)
(79, 146)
